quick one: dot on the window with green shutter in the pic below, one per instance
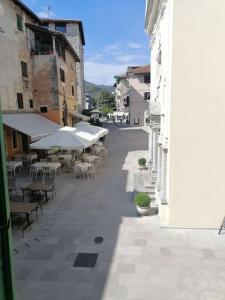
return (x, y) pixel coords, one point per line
(19, 22)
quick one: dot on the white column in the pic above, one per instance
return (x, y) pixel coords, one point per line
(150, 147)
(159, 167)
(164, 177)
(154, 148)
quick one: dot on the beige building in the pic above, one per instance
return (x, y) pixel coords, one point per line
(73, 30)
(121, 92)
(139, 94)
(187, 90)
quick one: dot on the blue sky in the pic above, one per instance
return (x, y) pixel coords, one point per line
(114, 33)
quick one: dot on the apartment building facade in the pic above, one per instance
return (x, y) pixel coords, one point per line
(187, 110)
(38, 77)
(73, 31)
(121, 92)
(139, 94)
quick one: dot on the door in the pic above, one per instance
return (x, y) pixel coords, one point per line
(7, 282)
(25, 143)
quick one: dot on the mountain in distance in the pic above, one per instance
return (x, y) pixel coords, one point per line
(92, 88)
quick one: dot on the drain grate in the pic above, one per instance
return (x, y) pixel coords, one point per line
(98, 239)
(86, 260)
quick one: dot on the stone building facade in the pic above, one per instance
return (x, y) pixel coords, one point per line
(38, 77)
(73, 30)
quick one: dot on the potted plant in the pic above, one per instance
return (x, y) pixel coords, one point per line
(142, 163)
(142, 201)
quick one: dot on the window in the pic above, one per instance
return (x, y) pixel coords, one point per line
(72, 90)
(60, 27)
(147, 96)
(60, 49)
(31, 102)
(62, 75)
(43, 109)
(19, 22)
(20, 101)
(24, 69)
(44, 25)
(147, 78)
(14, 139)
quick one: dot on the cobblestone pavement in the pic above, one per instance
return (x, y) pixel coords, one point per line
(136, 260)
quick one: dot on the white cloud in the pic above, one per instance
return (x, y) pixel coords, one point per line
(134, 45)
(102, 73)
(129, 58)
(46, 12)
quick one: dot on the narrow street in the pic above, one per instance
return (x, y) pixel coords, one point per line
(136, 260)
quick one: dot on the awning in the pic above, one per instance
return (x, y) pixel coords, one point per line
(31, 124)
(83, 117)
(65, 138)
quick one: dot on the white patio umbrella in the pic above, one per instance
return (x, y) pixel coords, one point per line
(96, 131)
(67, 138)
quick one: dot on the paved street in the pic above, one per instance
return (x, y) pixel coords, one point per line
(137, 260)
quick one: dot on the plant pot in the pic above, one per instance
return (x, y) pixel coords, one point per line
(143, 211)
(142, 167)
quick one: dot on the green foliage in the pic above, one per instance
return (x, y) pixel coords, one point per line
(142, 161)
(142, 200)
(106, 109)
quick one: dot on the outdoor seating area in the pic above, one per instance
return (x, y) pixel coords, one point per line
(67, 151)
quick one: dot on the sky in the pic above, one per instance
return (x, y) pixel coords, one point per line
(114, 33)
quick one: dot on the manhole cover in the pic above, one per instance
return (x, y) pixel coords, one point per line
(86, 260)
(98, 239)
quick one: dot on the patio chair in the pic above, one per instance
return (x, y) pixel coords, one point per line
(35, 171)
(25, 193)
(12, 185)
(48, 172)
(91, 171)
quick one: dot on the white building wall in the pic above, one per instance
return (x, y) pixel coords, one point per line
(192, 104)
(137, 105)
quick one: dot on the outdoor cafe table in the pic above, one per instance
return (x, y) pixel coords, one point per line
(40, 187)
(90, 158)
(14, 165)
(29, 157)
(53, 165)
(24, 208)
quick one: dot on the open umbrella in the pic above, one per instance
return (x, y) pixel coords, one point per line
(96, 131)
(67, 138)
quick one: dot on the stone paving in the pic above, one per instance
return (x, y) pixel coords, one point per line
(137, 259)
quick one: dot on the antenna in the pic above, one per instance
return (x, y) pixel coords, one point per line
(49, 10)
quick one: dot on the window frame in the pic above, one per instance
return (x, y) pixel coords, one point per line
(14, 139)
(62, 75)
(24, 68)
(146, 99)
(31, 101)
(19, 97)
(61, 25)
(19, 22)
(148, 76)
(44, 107)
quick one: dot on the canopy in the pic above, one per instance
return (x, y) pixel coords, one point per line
(81, 116)
(31, 124)
(96, 131)
(67, 138)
